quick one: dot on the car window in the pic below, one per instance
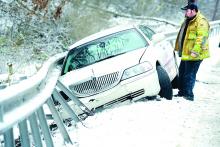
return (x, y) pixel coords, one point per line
(147, 31)
(103, 48)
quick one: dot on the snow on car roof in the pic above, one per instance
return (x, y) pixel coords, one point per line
(101, 34)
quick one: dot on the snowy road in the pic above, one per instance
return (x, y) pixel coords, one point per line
(201, 120)
(175, 123)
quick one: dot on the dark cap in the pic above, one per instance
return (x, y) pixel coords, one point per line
(191, 7)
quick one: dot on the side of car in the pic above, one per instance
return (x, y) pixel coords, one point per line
(165, 64)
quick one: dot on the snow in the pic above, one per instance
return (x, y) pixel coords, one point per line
(7, 1)
(153, 123)
(167, 123)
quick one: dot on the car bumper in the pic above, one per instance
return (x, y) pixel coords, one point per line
(137, 87)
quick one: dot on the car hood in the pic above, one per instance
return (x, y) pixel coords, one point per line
(115, 64)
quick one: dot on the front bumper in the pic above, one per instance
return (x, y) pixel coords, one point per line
(137, 87)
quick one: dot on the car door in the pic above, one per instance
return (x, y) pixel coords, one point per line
(163, 49)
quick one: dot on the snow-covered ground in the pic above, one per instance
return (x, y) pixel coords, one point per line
(175, 123)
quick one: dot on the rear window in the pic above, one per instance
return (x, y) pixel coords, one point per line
(103, 48)
(147, 31)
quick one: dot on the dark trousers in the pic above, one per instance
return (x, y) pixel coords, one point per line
(187, 77)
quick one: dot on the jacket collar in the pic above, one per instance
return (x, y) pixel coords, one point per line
(195, 17)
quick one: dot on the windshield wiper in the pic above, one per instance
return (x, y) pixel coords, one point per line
(110, 57)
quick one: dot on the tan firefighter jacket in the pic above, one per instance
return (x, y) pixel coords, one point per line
(196, 39)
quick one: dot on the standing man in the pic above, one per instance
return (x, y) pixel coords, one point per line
(192, 46)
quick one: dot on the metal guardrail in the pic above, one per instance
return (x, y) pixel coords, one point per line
(214, 31)
(24, 93)
(215, 28)
(23, 102)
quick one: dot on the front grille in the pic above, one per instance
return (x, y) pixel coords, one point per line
(96, 84)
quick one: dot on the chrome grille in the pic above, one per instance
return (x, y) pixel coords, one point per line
(96, 84)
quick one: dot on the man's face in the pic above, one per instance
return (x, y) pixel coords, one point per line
(190, 13)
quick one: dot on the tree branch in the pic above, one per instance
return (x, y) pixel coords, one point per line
(115, 14)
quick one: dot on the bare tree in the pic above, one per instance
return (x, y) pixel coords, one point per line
(215, 10)
(32, 30)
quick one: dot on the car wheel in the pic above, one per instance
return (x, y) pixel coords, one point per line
(166, 90)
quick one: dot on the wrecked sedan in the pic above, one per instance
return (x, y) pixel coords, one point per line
(124, 62)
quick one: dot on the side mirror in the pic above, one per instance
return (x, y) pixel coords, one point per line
(158, 37)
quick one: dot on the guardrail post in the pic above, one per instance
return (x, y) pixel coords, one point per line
(74, 98)
(58, 121)
(44, 127)
(35, 130)
(10, 72)
(25, 142)
(70, 111)
(9, 138)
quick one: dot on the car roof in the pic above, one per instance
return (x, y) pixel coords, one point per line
(101, 34)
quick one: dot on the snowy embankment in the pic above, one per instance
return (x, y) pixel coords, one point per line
(175, 123)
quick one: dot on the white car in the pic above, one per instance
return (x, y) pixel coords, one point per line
(121, 63)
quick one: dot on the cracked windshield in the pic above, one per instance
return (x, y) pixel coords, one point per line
(104, 48)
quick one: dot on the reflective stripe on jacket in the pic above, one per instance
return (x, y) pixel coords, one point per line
(196, 39)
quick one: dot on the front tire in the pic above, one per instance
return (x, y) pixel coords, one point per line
(166, 90)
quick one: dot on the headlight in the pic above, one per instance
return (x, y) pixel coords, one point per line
(136, 70)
